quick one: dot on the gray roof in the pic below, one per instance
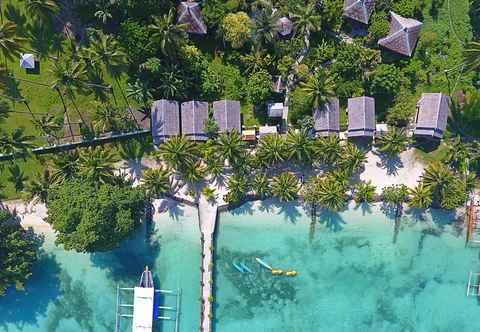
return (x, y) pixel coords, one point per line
(432, 115)
(358, 10)
(327, 118)
(403, 35)
(275, 110)
(284, 26)
(227, 115)
(189, 13)
(194, 114)
(165, 120)
(361, 117)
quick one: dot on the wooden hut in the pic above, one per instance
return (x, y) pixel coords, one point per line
(432, 115)
(189, 13)
(227, 115)
(358, 10)
(361, 117)
(327, 118)
(194, 114)
(403, 35)
(165, 120)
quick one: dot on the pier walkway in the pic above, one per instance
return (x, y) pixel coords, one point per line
(207, 213)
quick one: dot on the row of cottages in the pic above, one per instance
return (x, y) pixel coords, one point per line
(430, 119)
(403, 34)
(168, 119)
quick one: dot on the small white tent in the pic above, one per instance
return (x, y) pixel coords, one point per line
(27, 61)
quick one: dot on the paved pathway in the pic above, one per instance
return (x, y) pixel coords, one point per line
(207, 212)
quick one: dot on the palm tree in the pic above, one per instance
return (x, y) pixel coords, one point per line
(167, 33)
(156, 182)
(140, 92)
(231, 147)
(421, 197)
(65, 166)
(16, 177)
(69, 78)
(49, 125)
(178, 152)
(37, 188)
(132, 151)
(265, 27)
(393, 142)
(319, 88)
(103, 15)
(193, 173)
(472, 55)
(106, 51)
(237, 188)
(261, 186)
(299, 146)
(458, 154)
(285, 186)
(96, 165)
(17, 143)
(271, 150)
(327, 149)
(10, 43)
(364, 192)
(437, 178)
(43, 9)
(352, 158)
(306, 19)
(331, 193)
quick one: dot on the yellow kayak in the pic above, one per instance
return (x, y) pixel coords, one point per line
(277, 272)
(291, 273)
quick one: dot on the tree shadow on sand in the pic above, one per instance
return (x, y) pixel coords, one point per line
(390, 163)
(173, 208)
(22, 308)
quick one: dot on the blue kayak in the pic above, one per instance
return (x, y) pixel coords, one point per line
(246, 268)
(238, 267)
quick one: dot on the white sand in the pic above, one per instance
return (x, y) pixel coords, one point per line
(31, 215)
(406, 170)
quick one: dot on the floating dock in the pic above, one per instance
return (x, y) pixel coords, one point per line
(473, 287)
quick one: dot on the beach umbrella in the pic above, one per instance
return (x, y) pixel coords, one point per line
(27, 61)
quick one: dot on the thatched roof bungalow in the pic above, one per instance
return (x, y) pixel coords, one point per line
(165, 120)
(403, 35)
(327, 118)
(227, 115)
(189, 13)
(194, 114)
(358, 10)
(361, 117)
(432, 115)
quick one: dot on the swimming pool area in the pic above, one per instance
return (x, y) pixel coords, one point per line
(352, 276)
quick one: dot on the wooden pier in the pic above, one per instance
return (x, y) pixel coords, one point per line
(473, 223)
(207, 212)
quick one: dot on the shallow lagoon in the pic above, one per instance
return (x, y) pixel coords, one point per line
(77, 292)
(352, 277)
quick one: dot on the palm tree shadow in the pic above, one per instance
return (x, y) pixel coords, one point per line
(173, 208)
(389, 210)
(245, 208)
(13, 14)
(331, 219)
(43, 39)
(390, 163)
(12, 88)
(267, 205)
(290, 211)
(365, 207)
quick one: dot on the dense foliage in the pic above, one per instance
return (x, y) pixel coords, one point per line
(88, 219)
(18, 253)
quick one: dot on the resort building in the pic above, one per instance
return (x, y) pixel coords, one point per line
(284, 26)
(403, 35)
(165, 120)
(194, 114)
(358, 10)
(275, 110)
(267, 130)
(361, 117)
(189, 13)
(432, 115)
(227, 115)
(327, 118)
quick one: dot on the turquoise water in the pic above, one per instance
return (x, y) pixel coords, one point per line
(72, 292)
(352, 277)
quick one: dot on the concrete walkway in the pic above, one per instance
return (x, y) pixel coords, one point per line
(207, 213)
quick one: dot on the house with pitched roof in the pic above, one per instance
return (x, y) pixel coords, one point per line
(361, 117)
(432, 115)
(403, 35)
(165, 121)
(193, 116)
(327, 118)
(358, 10)
(189, 13)
(227, 115)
